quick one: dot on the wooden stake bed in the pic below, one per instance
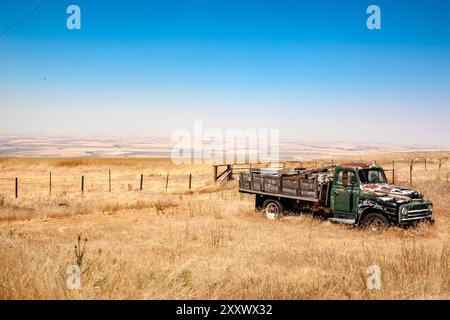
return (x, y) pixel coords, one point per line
(287, 184)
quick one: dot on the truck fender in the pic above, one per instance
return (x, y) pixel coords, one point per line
(366, 207)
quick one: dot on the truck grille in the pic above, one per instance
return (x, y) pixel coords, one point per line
(417, 211)
(418, 207)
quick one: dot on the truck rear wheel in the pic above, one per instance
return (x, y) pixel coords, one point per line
(273, 209)
(375, 222)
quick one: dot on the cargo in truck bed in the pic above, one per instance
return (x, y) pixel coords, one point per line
(294, 183)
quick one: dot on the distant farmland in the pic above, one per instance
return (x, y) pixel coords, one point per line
(57, 146)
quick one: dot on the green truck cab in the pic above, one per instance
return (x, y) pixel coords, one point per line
(361, 193)
(356, 194)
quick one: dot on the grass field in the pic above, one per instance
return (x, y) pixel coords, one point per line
(207, 242)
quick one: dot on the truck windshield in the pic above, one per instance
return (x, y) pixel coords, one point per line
(372, 176)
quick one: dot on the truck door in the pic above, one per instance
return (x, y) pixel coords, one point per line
(344, 195)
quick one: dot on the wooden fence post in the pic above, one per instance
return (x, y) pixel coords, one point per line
(50, 184)
(215, 173)
(440, 163)
(167, 181)
(393, 172)
(142, 181)
(410, 172)
(82, 184)
(17, 187)
(190, 181)
(425, 164)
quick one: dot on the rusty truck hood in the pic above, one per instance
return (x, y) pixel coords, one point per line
(384, 189)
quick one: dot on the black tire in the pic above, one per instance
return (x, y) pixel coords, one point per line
(273, 209)
(375, 222)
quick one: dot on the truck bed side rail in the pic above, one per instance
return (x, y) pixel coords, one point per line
(294, 186)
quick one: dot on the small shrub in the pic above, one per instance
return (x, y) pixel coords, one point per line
(80, 250)
(111, 208)
(161, 205)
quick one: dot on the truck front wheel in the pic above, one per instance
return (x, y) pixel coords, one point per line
(273, 209)
(375, 222)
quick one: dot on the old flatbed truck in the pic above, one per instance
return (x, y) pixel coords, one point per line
(357, 194)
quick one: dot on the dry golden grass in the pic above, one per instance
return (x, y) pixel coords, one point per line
(204, 243)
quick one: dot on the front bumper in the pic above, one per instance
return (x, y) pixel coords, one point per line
(417, 210)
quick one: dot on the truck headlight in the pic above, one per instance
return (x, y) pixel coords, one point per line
(404, 211)
(430, 207)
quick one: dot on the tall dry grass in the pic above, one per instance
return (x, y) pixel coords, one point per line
(204, 243)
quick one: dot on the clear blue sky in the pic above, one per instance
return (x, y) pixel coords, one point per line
(310, 68)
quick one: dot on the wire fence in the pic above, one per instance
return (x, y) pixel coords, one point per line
(22, 182)
(53, 183)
